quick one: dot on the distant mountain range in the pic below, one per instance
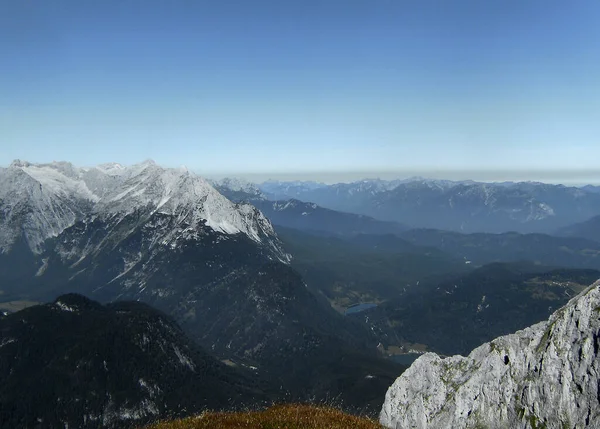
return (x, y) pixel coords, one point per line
(76, 363)
(305, 216)
(277, 190)
(312, 218)
(465, 206)
(589, 229)
(238, 190)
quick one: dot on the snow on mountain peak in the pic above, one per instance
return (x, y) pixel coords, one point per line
(60, 179)
(17, 163)
(40, 201)
(48, 198)
(180, 192)
(236, 184)
(111, 168)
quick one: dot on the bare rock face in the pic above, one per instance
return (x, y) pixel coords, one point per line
(545, 376)
(40, 201)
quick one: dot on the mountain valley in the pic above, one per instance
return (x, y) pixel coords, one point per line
(112, 366)
(286, 300)
(167, 238)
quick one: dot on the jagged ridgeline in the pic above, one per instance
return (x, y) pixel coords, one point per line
(545, 376)
(76, 363)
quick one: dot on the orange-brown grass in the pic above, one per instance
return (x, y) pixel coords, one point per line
(290, 416)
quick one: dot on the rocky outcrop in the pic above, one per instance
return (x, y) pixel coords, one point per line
(545, 376)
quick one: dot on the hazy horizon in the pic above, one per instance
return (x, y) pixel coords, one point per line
(566, 177)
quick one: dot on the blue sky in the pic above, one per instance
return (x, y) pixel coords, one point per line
(303, 87)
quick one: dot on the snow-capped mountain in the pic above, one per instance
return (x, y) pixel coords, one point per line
(168, 238)
(39, 201)
(190, 198)
(464, 206)
(238, 190)
(547, 375)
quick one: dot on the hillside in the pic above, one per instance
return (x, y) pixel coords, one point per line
(77, 363)
(364, 268)
(481, 248)
(312, 218)
(280, 417)
(589, 229)
(459, 313)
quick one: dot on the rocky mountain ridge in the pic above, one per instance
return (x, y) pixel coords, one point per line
(39, 201)
(544, 376)
(167, 238)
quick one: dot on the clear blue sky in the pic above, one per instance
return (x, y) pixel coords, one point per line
(302, 86)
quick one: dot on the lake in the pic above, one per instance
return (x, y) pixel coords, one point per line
(359, 307)
(405, 359)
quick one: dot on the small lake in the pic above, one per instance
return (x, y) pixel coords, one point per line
(359, 307)
(405, 359)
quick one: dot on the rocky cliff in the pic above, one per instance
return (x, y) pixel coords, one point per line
(545, 376)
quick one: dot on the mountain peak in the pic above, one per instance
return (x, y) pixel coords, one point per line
(148, 161)
(17, 163)
(75, 302)
(175, 191)
(59, 194)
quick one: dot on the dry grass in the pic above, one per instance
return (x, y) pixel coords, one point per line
(277, 417)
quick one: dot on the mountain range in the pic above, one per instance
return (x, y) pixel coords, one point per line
(168, 238)
(305, 216)
(288, 299)
(310, 217)
(463, 206)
